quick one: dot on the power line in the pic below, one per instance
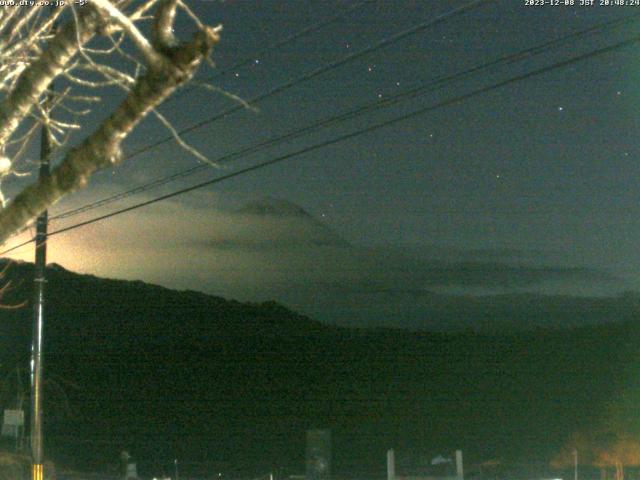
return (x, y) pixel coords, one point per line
(279, 43)
(350, 135)
(18, 246)
(386, 102)
(314, 73)
(321, 70)
(356, 133)
(274, 46)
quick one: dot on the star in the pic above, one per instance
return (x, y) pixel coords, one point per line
(560, 109)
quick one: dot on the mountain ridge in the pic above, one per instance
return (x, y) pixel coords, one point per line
(242, 382)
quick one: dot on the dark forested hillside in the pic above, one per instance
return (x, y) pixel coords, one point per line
(233, 386)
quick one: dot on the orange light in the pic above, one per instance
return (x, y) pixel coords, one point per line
(37, 472)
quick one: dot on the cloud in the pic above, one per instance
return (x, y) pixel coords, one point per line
(276, 250)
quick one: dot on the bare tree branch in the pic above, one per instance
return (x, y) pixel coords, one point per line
(35, 79)
(151, 56)
(103, 147)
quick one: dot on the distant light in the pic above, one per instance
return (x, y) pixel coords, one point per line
(560, 109)
(5, 165)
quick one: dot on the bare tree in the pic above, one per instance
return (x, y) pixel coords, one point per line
(608, 450)
(128, 44)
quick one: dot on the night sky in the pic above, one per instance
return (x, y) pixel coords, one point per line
(530, 187)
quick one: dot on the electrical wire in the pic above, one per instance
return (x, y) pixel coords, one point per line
(386, 102)
(342, 138)
(385, 42)
(18, 246)
(321, 70)
(278, 44)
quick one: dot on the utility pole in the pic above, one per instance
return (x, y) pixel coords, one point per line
(391, 464)
(459, 466)
(575, 464)
(38, 313)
